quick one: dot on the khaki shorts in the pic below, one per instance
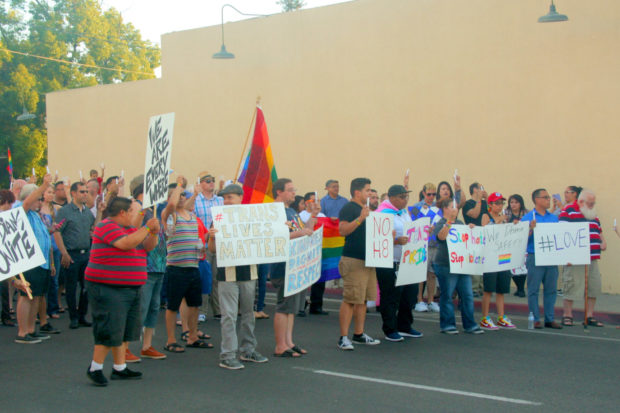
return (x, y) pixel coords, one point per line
(574, 281)
(360, 282)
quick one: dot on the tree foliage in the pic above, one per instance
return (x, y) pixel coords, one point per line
(78, 31)
(291, 5)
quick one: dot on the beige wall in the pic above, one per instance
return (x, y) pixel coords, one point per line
(371, 88)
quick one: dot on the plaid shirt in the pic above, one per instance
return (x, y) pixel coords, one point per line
(202, 207)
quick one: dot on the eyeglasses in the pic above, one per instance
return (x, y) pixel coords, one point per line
(544, 197)
(41, 199)
(83, 191)
(431, 193)
(208, 180)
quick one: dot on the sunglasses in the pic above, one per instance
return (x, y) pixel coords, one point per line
(83, 191)
(431, 193)
(208, 180)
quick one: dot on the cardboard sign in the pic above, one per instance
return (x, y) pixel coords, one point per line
(303, 267)
(157, 164)
(19, 249)
(465, 249)
(379, 240)
(250, 234)
(414, 258)
(562, 243)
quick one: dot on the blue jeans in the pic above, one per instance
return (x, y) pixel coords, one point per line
(151, 296)
(548, 276)
(52, 293)
(448, 282)
(263, 272)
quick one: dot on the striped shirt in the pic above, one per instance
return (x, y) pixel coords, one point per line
(202, 207)
(182, 244)
(110, 265)
(572, 213)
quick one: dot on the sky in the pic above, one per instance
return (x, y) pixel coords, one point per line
(156, 17)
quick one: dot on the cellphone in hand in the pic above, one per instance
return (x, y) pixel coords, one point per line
(557, 196)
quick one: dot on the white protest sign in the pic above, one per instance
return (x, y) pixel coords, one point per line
(465, 249)
(562, 243)
(379, 240)
(303, 267)
(19, 249)
(414, 258)
(250, 234)
(504, 246)
(157, 164)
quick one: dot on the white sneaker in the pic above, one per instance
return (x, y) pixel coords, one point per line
(202, 318)
(345, 343)
(432, 306)
(421, 307)
(366, 339)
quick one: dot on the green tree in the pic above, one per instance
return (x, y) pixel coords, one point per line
(291, 5)
(77, 31)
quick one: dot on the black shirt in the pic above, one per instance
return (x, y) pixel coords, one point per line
(355, 242)
(443, 257)
(471, 204)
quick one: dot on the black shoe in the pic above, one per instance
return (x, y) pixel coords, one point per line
(301, 313)
(125, 375)
(48, 329)
(85, 323)
(74, 324)
(319, 312)
(217, 316)
(97, 377)
(8, 323)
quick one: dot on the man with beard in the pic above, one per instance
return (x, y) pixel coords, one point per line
(373, 204)
(583, 210)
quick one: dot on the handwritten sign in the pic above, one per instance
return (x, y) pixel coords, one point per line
(303, 267)
(379, 240)
(158, 154)
(250, 234)
(19, 249)
(490, 248)
(562, 243)
(414, 257)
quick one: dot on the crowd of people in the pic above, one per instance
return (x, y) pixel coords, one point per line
(120, 263)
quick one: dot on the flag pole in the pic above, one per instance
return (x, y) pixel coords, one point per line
(246, 139)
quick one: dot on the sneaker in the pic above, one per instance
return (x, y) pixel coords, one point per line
(365, 339)
(97, 377)
(394, 337)
(73, 324)
(255, 357)
(125, 375)
(504, 322)
(231, 364)
(84, 323)
(39, 336)
(421, 307)
(48, 329)
(432, 306)
(411, 333)
(202, 318)
(450, 331)
(560, 293)
(475, 330)
(27, 339)
(488, 324)
(345, 344)
(151, 353)
(130, 357)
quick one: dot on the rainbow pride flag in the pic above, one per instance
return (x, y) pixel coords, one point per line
(333, 243)
(505, 259)
(259, 172)
(9, 168)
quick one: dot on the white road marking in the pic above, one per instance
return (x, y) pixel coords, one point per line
(423, 387)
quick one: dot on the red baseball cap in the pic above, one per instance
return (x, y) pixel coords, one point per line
(495, 196)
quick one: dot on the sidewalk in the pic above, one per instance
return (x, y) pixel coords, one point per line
(607, 309)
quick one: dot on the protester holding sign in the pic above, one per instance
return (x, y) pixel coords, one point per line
(236, 296)
(38, 277)
(397, 301)
(287, 307)
(583, 210)
(495, 282)
(515, 211)
(360, 282)
(116, 271)
(7, 198)
(448, 281)
(318, 288)
(473, 210)
(537, 274)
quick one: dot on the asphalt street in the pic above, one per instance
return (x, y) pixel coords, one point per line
(513, 371)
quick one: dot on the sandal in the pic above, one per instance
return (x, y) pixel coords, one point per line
(260, 315)
(567, 321)
(288, 353)
(299, 350)
(199, 344)
(201, 335)
(174, 348)
(594, 322)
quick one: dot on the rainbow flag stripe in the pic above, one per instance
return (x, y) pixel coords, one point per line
(505, 259)
(259, 172)
(9, 168)
(333, 243)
